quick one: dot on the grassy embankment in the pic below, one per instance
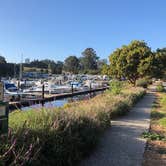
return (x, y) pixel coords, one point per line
(63, 136)
(155, 153)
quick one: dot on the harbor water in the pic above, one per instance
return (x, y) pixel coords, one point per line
(61, 102)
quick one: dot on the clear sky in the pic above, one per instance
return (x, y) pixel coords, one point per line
(56, 29)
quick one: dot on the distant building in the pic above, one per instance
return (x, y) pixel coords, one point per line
(27, 61)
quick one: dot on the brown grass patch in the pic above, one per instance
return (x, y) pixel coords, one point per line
(157, 129)
(153, 155)
(155, 152)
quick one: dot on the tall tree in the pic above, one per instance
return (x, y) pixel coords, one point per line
(101, 63)
(105, 69)
(89, 59)
(159, 63)
(71, 64)
(56, 68)
(132, 61)
(59, 67)
(2, 60)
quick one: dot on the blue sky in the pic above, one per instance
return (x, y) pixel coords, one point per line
(55, 29)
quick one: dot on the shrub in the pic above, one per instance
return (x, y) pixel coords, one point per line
(152, 136)
(160, 88)
(142, 83)
(65, 135)
(120, 109)
(162, 121)
(163, 101)
(18, 149)
(116, 86)
(157, 115)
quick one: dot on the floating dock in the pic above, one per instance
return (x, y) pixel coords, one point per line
(29, 102)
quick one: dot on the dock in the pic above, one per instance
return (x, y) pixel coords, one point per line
(29, 102)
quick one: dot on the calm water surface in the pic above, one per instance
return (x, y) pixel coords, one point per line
(61, 102)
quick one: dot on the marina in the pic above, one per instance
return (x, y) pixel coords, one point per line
(41, 101)
(28, 91)
(61, 102)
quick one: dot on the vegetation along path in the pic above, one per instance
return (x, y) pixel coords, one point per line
(122, 144)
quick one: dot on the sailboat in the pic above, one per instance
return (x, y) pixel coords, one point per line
(11, 92)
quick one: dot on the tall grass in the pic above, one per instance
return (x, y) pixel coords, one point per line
(162, 102)
(63, 136)
(158, 123)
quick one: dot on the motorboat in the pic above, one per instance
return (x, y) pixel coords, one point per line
(11, 92)
(50, 88)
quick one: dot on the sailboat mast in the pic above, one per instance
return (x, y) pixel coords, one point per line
(14, 70)
(21, 67)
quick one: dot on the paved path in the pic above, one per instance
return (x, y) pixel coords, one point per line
(122, 145)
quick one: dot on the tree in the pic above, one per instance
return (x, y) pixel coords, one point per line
(56, 68)
(105, 69)
(9, 69)
(37, 64)
(89, 59)
(71, 64)
(101, 63)
(2, 60)
(132, 61)
(159, 63)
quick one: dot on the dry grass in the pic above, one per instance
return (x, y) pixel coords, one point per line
(155, 153)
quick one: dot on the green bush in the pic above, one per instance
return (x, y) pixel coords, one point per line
(142, 83)
(163, 101)
(162, 121)
(116, 86)
(120, 109)
(157, 115)
(152, 136)
(160, 88)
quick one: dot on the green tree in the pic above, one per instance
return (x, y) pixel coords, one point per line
(2, 60)
(101, 63)
(71, 64)
(159, 63)
(89, 59)
(105, 69)
(132, 61)
(56, 68)
(50, 68)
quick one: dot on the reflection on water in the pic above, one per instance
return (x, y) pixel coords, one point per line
(61, 102)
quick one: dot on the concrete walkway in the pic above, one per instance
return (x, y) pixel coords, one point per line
(122, 144)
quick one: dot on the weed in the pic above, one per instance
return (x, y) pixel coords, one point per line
(152, 136)
(157, 114)
(162, 122)
(116, 86)
(160, 88)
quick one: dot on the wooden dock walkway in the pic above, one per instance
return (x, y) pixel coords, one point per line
(29, 102)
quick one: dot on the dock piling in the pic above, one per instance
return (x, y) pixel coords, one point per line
(43, 95)
(90, 88)
(72, 89)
